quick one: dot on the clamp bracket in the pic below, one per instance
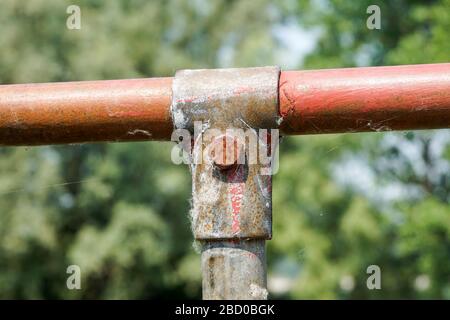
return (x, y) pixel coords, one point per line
(230, 113)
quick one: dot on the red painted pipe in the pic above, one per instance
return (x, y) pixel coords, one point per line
(365, 99)
(88, 111)
(317, 101)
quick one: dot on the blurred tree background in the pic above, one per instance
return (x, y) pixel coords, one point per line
(119, 211)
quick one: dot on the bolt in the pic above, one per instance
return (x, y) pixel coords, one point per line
(224, 151)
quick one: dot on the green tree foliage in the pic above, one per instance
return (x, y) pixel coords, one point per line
(119, 211)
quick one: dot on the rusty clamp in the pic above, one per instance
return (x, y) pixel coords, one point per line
(225, 109)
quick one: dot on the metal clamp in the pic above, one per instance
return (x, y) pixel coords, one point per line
(232, 197)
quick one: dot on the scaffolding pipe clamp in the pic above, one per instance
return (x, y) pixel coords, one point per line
(228, 112)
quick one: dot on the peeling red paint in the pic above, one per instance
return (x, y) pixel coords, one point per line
(236, 190)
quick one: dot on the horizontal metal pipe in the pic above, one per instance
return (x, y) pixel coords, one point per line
(88, 111)
(365, 99)
(317, 101)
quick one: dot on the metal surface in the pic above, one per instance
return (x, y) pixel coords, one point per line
(234, 270)
(365, 99)
(90, 111)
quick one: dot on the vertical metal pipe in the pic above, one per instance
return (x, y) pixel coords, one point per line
(234, 270)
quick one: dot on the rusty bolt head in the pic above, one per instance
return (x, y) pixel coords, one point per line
(224, 151)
